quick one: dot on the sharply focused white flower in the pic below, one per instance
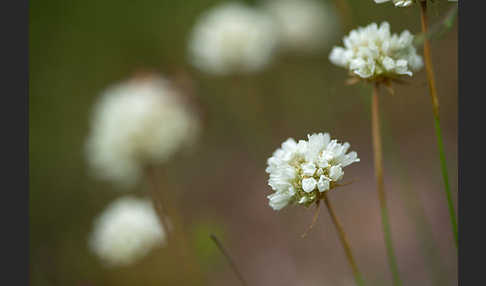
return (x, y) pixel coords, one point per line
(126, 231)
(232, 38)
(398, 3)
(301, 171)
(373, 52)
(135, 123)
(303, 25)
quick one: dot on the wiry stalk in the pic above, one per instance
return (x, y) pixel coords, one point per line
(173, 228)
(378, 160)
(435, 105)
(413, 204)
(157, 200)
(314, 220)
(237, 272)
(344, 242)
(344, 11)
(438, 29)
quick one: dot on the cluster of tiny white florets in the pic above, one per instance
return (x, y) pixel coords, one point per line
(373, 52)
(136, 123)
(398, 3)
(303, 25)
(126, 231)
(232, 38)
(301, 171)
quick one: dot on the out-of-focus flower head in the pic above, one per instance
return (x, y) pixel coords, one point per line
(373, 53)
(137, 123)
(301, 171)
(126, 231)
(303, 25)
(398, 3)
(232, 38)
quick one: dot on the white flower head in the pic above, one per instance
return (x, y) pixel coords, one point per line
(303, 25)
(372, 52)
(300, 171)
(137, 123)
(232, 38)
(398, 3)
(126, 231)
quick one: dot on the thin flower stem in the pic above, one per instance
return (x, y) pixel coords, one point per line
(378, 159)
(345, 13)
(439, 29)
(238, 274)
(157, 200)
(413, 204)
(344, 241)
(173, 228)
(435, 105)
(314, 220)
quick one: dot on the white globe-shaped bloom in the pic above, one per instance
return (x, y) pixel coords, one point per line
(301, 171)
(303, 25)
(136, 123)
(373, 52)
(126, 231)
(398, 3)
(232, 38)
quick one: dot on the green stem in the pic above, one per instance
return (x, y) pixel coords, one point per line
(344, 11)
(439, 29)
(443, 165)
(157, 201)
(435, 105)
(412, 200)
(344, 241)
(173, 226)
(378, 160)
(237, 272)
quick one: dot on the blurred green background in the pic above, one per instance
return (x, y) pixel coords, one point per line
(77, 48)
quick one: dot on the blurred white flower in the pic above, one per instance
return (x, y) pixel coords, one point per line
(301, 171)
(398, 3)
(126, 231)
(373, 52)
(303, 25)
(232, 38)
(136, 123)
